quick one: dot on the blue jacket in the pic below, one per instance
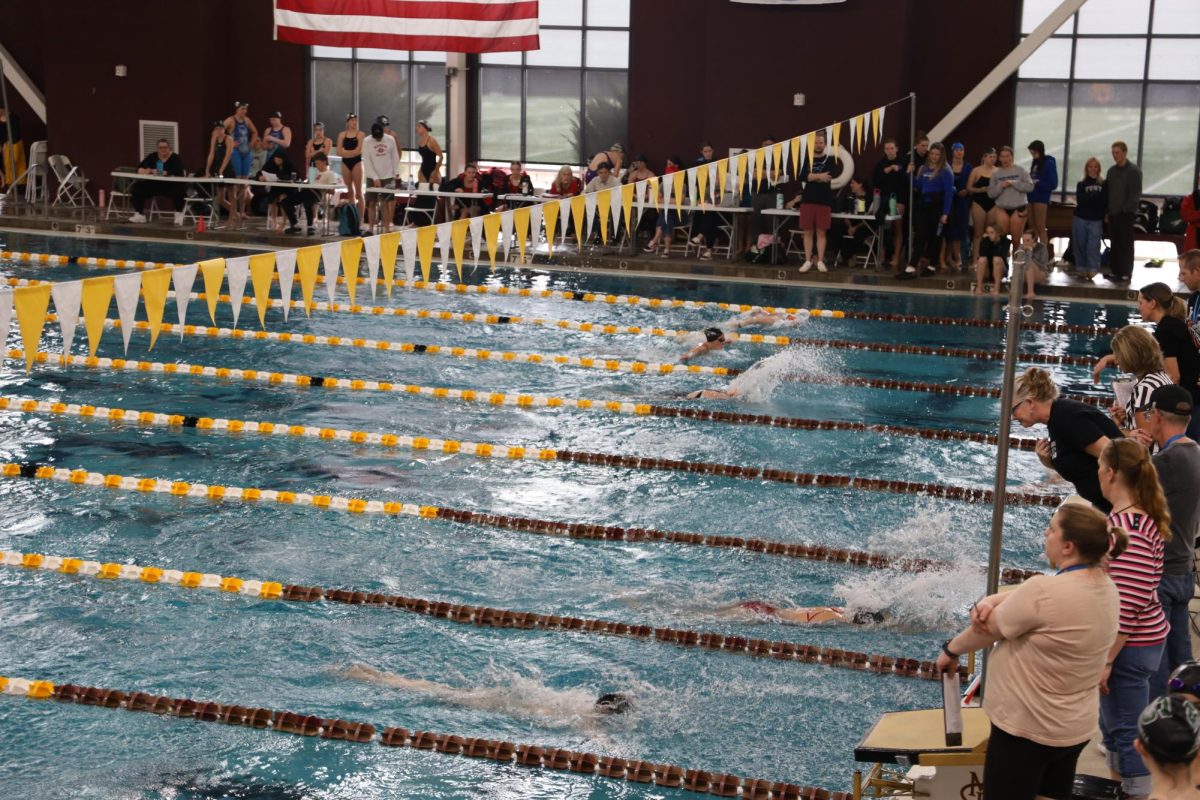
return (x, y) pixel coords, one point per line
(930, 183)
(1045, 180)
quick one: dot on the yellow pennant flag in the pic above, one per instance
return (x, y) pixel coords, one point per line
(351, 253)
(702, 182)
(213, 271)
(491, 232)
(308, 260)
(837, 135)
(777, 150)
(603, 211)
(97, 296)
(743, 164)
(810, 142)
(426, 236)
(875, 124)
(31, 303)
(677, 187)
(859, 122)
(521, 223)
(795, 147)
(458, 238)
(389, 246)
(154, 291)
(759, 157)
(262, 268)
(578, 212)
(722, 173)
(550, 218)
(627, 204)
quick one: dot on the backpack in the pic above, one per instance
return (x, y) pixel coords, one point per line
(349, 223)
(1146, 219)
(1170, 221)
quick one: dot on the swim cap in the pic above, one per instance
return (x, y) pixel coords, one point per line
(1185, 678)
(712, 334)
(612, 703)
(868, 617)
(1170, 729)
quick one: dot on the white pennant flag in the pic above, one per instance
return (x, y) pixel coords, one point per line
(714, 192)
(236, 272)
(803, 154)
(564, 218)
(768, 163)
(331, 258)
(733, 176)
(126, 288)
(408, 248)
(506, 228)
(828, 138)
(66, 296)
(6, 312)
(285, 262)
(882, 111)
(614, 208)
(535, 228)
(371, 246)
(666, 184)
(589, 203)
(643, 186)
(445, 245)
(183, 276)
(476, 237)
(853, 132)
(691, 184)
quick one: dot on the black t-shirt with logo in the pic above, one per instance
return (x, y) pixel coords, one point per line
(1073, 426)
(818, 192)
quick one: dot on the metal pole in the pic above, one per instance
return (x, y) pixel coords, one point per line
(912, 138)
(1011, 341)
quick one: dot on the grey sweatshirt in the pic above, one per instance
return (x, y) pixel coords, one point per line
(1013, 196)
(1124, 188)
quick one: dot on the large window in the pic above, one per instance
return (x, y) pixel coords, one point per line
(1118, 69)
(565, 101)
(404, 86)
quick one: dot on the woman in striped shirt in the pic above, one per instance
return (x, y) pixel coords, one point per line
(1136, 352)
(1128, 480)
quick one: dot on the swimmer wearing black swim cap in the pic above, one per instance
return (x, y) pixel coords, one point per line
(613, 703)
(714, 339)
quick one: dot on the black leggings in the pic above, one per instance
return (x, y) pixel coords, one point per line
(1020, 769)
(144, 190)
(927, 237)
(304, 197)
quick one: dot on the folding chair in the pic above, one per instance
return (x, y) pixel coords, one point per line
(122, 191)
(34, 178)
(72, 184)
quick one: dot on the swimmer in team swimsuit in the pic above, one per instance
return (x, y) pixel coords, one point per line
(714, 339)
(812, 615)
(760, 317)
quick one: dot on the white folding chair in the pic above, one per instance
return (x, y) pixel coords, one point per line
(72, 183)
(122, 192)
(34, 177)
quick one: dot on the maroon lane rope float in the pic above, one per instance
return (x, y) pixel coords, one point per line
(958, 322)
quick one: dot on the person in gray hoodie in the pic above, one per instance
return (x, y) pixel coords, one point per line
(1124, 181)
(1010, 187)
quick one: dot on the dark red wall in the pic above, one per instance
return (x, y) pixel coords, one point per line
(726, 72)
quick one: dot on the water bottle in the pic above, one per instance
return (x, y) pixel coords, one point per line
(779, 200)
(860, 205)
(892, 204)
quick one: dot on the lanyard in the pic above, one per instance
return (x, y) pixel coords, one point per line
(1174, 439)
(1072, 568)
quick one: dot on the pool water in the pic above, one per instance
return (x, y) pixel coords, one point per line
(723, 712)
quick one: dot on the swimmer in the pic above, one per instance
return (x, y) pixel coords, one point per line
(713, 394)
(811, 615)
(759, 317)
(546, 703)
(714, 339)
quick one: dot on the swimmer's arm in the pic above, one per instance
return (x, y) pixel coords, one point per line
(364, 673)
(812, 616)
(695, 351)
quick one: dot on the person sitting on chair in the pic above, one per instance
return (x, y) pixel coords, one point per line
(162, 162)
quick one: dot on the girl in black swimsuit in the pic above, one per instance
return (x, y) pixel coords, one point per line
(349, 146)
(981, 203)
(431, 154)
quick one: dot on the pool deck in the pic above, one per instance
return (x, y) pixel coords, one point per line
(1061, 285)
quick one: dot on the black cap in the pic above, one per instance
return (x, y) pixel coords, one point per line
(613, 703)
(240, 104)
(275, 115)
(219, 123)
(712, 334)
(639, 157)
(1173, 399)
(1170, 730)
(383, 120)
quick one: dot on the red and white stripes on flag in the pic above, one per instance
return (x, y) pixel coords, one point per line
(457, 26)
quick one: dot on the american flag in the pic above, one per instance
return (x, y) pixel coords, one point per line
(457, 26)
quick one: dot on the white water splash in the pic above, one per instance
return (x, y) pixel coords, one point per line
(758, 383)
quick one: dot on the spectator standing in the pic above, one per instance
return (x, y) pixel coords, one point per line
(1044, 172)
(381, 164)
(1136, 352)
(350, 143)
(614, 156)
(220, 153)
(1128, 481)
(431, 155)
(319, 143)
(816, 203)
(1189, 212)
(1189, 275)
(1177, 463)
(992, 258)
(981, 202)
(383, 120)
(1087, 224)
(1009, 187)
(1124, 181)
(933, 196)
(162, 162)
(245, 141)
(960, 211)
(891, 182)
(1078, 433)
(1053, 632)
(277, 135)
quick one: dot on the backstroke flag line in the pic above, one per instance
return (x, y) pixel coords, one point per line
(457, 26)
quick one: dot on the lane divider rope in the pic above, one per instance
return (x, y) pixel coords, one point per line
(502, 752)
(634, 300)
(544, 527)
(481, 616)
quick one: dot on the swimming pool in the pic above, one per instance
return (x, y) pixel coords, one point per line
(757, 717)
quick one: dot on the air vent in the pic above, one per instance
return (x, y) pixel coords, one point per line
(151, 130)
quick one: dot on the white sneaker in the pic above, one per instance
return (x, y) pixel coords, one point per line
(178, 217)
(136, 217)
(806, 266)
(910, 270)
(821, 267)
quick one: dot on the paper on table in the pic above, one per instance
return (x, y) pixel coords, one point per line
(952, 708)
(1122, 390)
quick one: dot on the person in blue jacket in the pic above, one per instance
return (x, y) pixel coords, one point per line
(1044, 172)
(933, 195)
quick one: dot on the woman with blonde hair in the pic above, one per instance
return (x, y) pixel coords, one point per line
(1087, 224)
(1077, 432)
(1130, 483)
(1136, 352)
(565, 183)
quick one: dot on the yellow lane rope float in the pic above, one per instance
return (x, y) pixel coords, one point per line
(503, 752)
(480, 616)
(543, 527)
